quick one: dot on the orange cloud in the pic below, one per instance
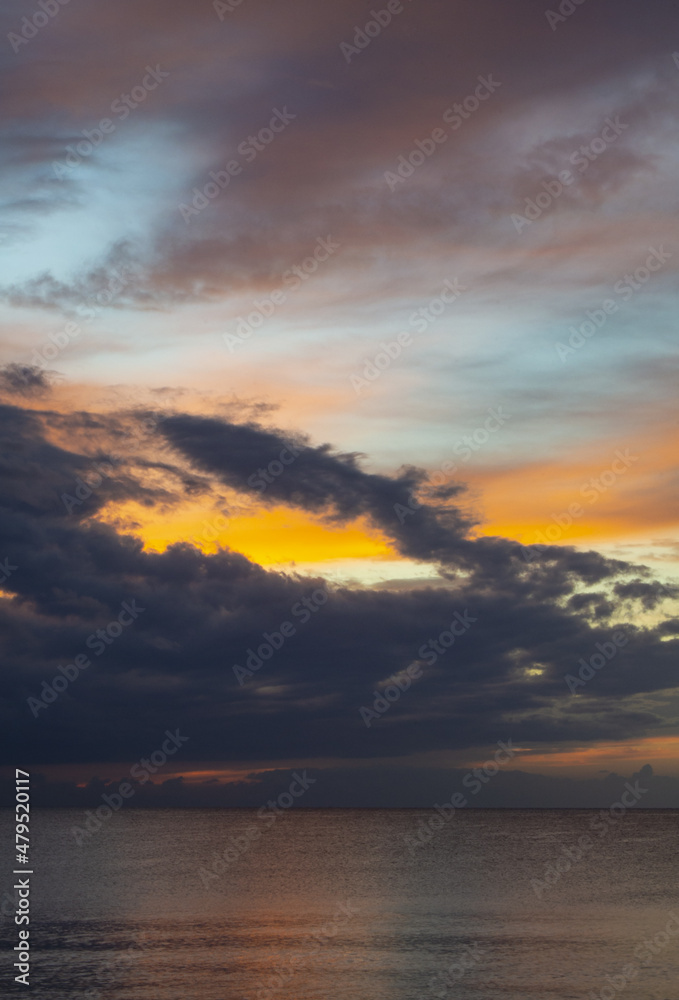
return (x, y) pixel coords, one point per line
(661, 751)
(82, 774)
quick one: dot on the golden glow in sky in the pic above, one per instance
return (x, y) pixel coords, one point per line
(267, 537)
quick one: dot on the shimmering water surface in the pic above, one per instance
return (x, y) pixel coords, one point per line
(334, 904)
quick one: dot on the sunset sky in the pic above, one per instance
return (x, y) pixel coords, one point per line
(422, 272)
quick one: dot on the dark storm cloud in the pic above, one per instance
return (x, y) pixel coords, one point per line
(23, 380)
(205, 613)
(315, 479)
(38, 475)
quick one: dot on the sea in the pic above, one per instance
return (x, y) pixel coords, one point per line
(226, 904)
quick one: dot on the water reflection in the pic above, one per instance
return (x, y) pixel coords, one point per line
(333, 904)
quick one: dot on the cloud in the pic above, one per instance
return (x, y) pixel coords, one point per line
(117, 213)
(317, 480)
(381, 787)
(24, 380)
(326, 173)
(205, 613)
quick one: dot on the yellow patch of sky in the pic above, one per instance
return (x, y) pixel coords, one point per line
(268, 537)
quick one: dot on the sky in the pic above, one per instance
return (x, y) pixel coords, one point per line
(344, 334)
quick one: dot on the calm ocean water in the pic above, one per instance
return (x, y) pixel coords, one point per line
(335, 904)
